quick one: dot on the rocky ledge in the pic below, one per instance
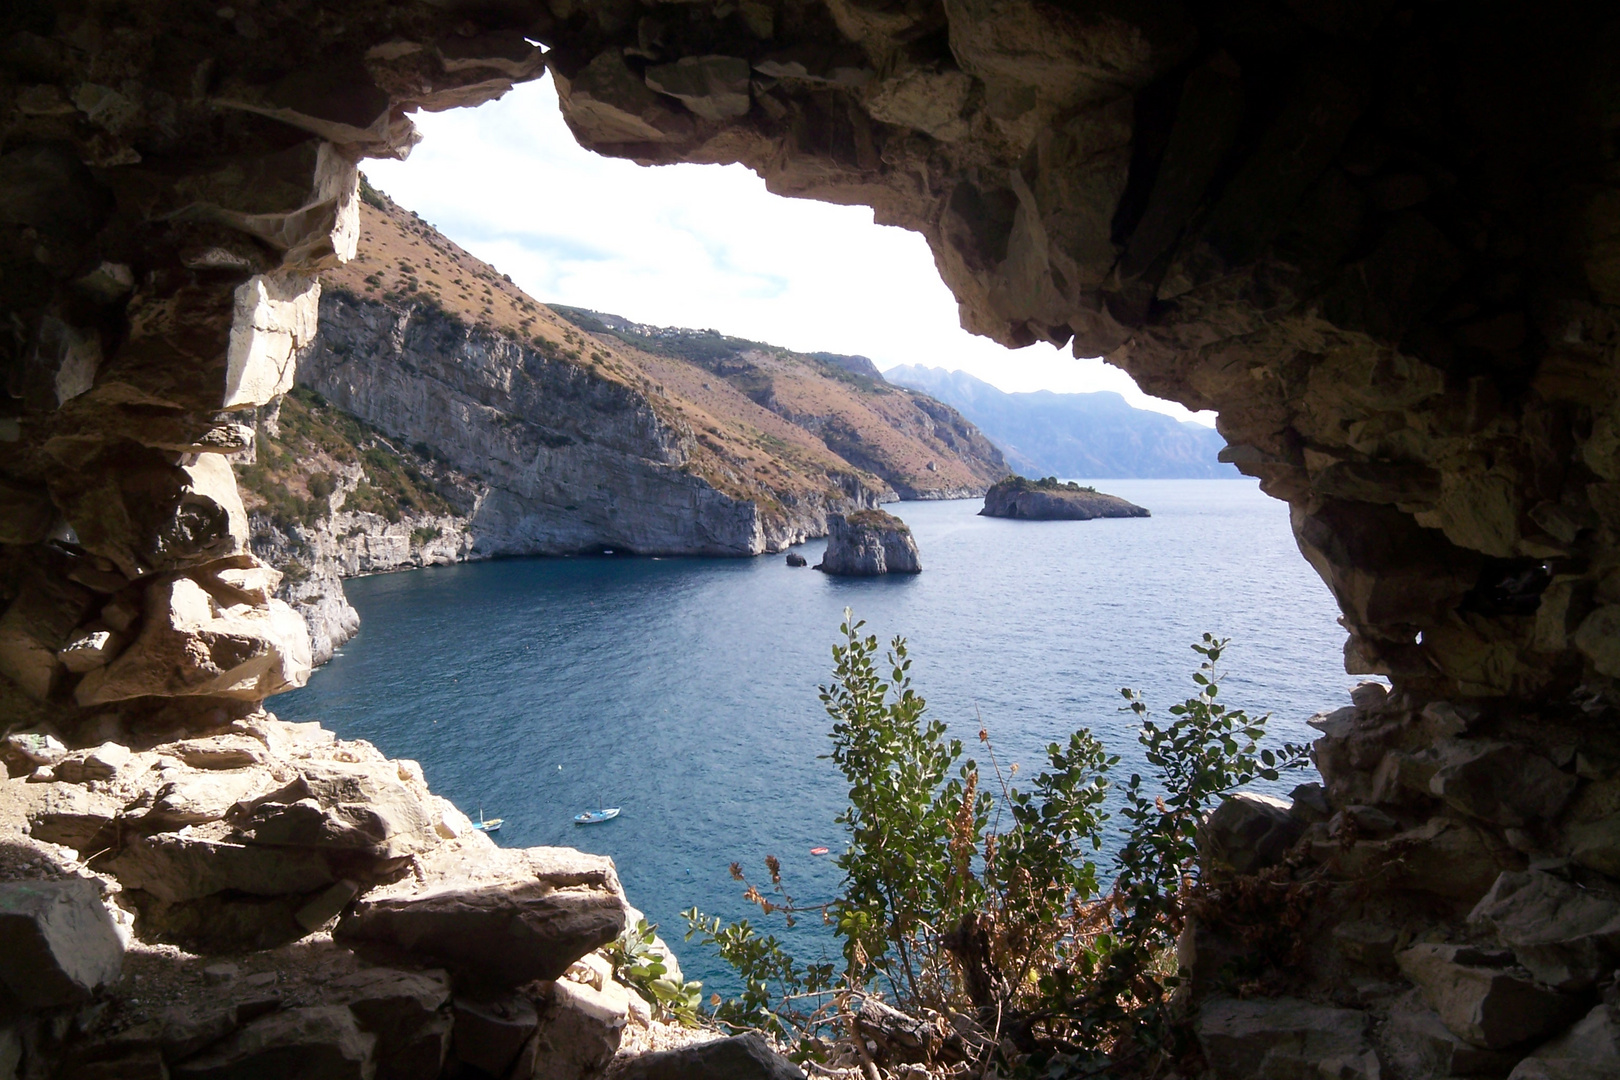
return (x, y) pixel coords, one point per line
(869, 543)
(371, 930)
(1053, 500)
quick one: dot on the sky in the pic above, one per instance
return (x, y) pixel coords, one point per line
(703, 246)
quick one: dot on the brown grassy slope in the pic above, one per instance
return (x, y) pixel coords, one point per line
(741, 445)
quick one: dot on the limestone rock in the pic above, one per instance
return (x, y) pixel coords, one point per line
(1422, 1046)
(57, 942)
(341, 805)
(406, 1011)
(218, 752)
(1016, 497)
(1479, 1000)
(275, 317)
(713, 87)
(502, 915)
(927, 101)
(193, 797)
(1567, 936)
(26, 750)
(1284, 1038)
(1440, 857)
(39, 622)
(90, 648)
(1596, 844)
(1501, 783)
(1588, 1051)
(489, 1033)
(1247, 832)
(69, 814)
(102, 763)
(190, 644)
(795, 559)
(741, 1057)
(176, 868)
(869, 543)
(320, 1042)
(580, 1028)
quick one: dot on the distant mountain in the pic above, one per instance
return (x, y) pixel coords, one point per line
(1074, 435)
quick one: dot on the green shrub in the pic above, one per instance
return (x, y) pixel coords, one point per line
(638, 964)
(989, 905)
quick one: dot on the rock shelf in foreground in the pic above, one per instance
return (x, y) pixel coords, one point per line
(868, 543)
(1052, 500)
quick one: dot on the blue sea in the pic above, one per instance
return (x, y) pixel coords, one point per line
(685, 690)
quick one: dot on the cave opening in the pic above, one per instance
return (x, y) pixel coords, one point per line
(1378, 239)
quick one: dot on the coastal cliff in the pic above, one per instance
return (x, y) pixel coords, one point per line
(869, 543)
(1052, 500)
(443, 415)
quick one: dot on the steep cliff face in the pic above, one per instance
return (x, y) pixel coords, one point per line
(590, 432)
(573, 461)
(329, 497)
(869, 543)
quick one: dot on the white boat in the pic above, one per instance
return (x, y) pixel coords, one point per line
(596, 817)
(489, 826)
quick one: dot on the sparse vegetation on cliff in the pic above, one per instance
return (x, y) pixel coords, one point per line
(292, 480)
(985, 904)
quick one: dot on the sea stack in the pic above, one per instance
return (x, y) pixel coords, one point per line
(868, 543)
(1051, 499)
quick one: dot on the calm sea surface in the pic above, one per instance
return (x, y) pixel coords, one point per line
(684, 690)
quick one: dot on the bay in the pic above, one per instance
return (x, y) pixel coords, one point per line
(685, 690)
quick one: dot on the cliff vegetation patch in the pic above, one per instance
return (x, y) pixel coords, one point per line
(300, 455)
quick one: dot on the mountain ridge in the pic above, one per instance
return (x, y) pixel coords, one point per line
(1096, 435)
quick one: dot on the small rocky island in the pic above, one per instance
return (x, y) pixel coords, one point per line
(868, 543)
(1050, 499)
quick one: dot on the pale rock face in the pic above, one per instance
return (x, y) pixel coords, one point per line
(191, 644)
(90, 648)
(573, 463)
(275, 317)
(867, 547)
(503, 916)
(57, 942)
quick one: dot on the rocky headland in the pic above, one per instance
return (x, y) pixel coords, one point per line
(867, 544)
(1050, 499)
(443, 415)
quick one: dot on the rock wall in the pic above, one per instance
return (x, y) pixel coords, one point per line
(868, 544)
(572, 462)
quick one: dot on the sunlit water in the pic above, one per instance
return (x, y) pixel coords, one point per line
(684, 690)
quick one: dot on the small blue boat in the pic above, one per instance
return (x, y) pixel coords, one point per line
(483, 826)
(596, 817)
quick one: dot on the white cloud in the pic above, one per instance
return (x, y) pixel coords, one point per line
(701, 246)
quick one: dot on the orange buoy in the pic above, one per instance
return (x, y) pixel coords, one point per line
(818, 851)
